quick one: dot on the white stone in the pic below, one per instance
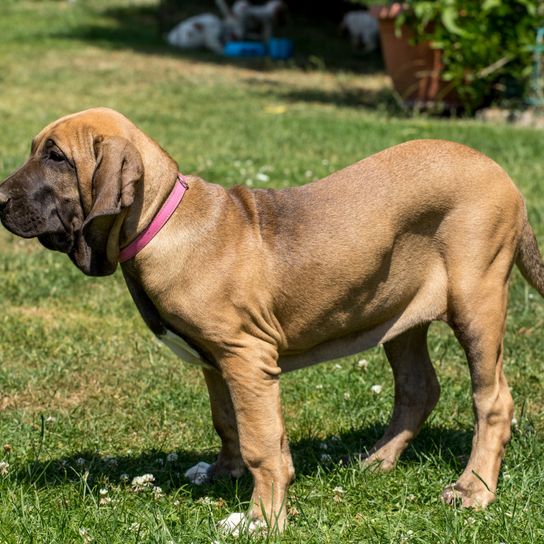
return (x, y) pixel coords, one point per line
(238, 523)
(198, 474)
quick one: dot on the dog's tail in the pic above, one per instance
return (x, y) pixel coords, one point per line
(529, 259)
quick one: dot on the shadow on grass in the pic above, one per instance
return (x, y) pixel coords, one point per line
(89, 469)
(318, 44)
(382, 99)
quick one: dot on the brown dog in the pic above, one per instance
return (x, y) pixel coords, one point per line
(253, 283)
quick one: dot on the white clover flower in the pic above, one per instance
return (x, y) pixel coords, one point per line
(157, 492)
(376, 389)
(338, 494)
(319, 386)
(143, 479)
(337, 366)
(347, 396)
(103, 491)
(84, 533)
(142, 482)
(4, 468)
(262, 177)
(362, 364)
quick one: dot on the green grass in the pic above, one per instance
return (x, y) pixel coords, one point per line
(82, 380)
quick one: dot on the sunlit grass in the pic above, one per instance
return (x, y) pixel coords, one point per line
(82, 380)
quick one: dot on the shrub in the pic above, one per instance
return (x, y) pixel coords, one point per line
(486, 45)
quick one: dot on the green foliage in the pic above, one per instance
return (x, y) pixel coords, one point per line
(486, 45)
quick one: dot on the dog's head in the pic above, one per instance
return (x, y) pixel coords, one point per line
(80, 176)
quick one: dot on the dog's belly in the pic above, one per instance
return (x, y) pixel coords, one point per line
(428, 305)
(341, 347)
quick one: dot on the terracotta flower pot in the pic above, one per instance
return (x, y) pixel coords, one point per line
(414, 69)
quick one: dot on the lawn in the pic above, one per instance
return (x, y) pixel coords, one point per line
(89, 400)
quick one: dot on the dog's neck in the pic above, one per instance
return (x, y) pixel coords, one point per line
(161, 218)
(160, 174)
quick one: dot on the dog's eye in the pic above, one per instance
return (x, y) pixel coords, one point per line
(56, 156)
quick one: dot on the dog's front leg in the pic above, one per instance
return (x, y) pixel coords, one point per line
(252, 377)
(229, 462)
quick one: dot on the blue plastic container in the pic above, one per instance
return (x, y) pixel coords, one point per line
(280, 48)
(244, 49)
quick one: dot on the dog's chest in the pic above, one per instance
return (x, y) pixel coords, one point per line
(159, 327)
(182, 349)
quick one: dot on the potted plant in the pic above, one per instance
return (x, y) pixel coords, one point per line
(457, 53)
(415, 68)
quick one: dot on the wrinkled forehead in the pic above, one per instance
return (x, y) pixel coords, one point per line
(78, 131)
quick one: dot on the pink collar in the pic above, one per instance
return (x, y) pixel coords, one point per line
(158, 222)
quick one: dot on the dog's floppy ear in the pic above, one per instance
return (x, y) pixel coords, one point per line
(117, 169)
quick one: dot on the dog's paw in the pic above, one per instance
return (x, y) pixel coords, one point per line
(199, 474)
(378, 463)
(466, 498)
(238, 523)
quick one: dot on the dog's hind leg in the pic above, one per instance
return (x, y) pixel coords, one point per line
(478, 319)
(416, 394)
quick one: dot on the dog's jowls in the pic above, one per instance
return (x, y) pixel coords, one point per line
(260, 282)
